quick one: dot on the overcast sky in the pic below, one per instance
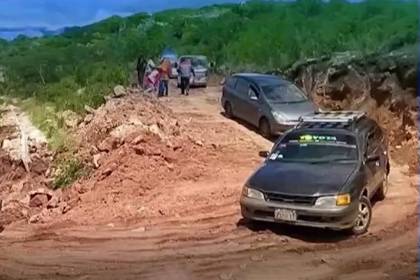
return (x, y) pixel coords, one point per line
(58, 13)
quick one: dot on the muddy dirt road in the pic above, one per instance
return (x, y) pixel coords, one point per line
(198, 232)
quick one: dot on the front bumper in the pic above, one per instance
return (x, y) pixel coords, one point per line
(199, 81)
(336, 219)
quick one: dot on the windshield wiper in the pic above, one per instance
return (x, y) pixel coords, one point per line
(334, 160)
(300, 101)
(287, 102)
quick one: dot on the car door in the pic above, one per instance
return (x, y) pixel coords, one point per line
(382, 152)
(373, 162)
(253, 106)
(242, 99)
(229, 93)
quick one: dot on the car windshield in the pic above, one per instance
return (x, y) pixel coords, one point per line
(316, 148)
(171, 57)
(284, 93)
(197, 61)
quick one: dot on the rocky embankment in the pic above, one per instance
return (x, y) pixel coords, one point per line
(384, 85)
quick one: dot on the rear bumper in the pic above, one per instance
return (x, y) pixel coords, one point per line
(336, 219)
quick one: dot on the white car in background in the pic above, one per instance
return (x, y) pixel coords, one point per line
(200, 66)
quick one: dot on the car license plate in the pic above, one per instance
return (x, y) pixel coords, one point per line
(285, 215)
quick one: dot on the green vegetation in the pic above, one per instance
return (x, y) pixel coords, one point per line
(83, 64)
(69, 171)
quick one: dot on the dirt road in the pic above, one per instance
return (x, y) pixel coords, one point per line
(197, 231)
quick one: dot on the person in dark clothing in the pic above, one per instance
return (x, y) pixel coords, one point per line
(141, 65)
(185, 71)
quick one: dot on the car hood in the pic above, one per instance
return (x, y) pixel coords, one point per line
(292, 111)
(302, 178)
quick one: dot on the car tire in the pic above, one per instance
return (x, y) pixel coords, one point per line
(228, 110)
(364, 217)
(383, 189)
(264, 128)
(254, 225)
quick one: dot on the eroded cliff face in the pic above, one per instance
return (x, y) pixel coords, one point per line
(383, 85)
(348, 80)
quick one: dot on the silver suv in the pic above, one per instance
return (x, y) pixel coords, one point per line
(200, 65)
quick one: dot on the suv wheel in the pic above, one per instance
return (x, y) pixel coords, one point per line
(228, 110)
(383, 189)
(264, 128)
(364, 216)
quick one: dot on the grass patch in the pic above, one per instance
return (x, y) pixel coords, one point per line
(48, 120)
(69, 170)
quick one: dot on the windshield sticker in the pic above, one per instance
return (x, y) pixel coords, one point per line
(317, 138)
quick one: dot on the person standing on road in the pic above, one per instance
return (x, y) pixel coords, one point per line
(185, 71)
(141, 65)
(165, 68)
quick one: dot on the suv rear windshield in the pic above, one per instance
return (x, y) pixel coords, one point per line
(283, 93)
(316, 147)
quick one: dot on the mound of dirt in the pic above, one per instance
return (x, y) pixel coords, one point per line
(135, 147)
(16, 182)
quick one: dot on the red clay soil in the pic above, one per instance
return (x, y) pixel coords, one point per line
(152, 151)
(164, 202)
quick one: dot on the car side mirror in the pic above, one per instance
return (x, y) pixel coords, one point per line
(253, 97)
(264, 154)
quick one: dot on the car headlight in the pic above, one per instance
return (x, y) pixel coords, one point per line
(252, 193)
(333, 201)
(279, 117)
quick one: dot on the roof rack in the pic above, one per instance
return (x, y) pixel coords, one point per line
(332, 117)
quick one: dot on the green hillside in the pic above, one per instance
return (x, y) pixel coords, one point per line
(78, 67)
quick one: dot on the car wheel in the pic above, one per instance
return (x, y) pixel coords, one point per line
(383, 189)
(254, 224)
(264, 128)
(364, 216)
(228, 110)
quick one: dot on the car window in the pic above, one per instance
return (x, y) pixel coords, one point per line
(197, 61)
(283, 93)
(374, 139)
(252, 93)
(231, 82)
(242, 86)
